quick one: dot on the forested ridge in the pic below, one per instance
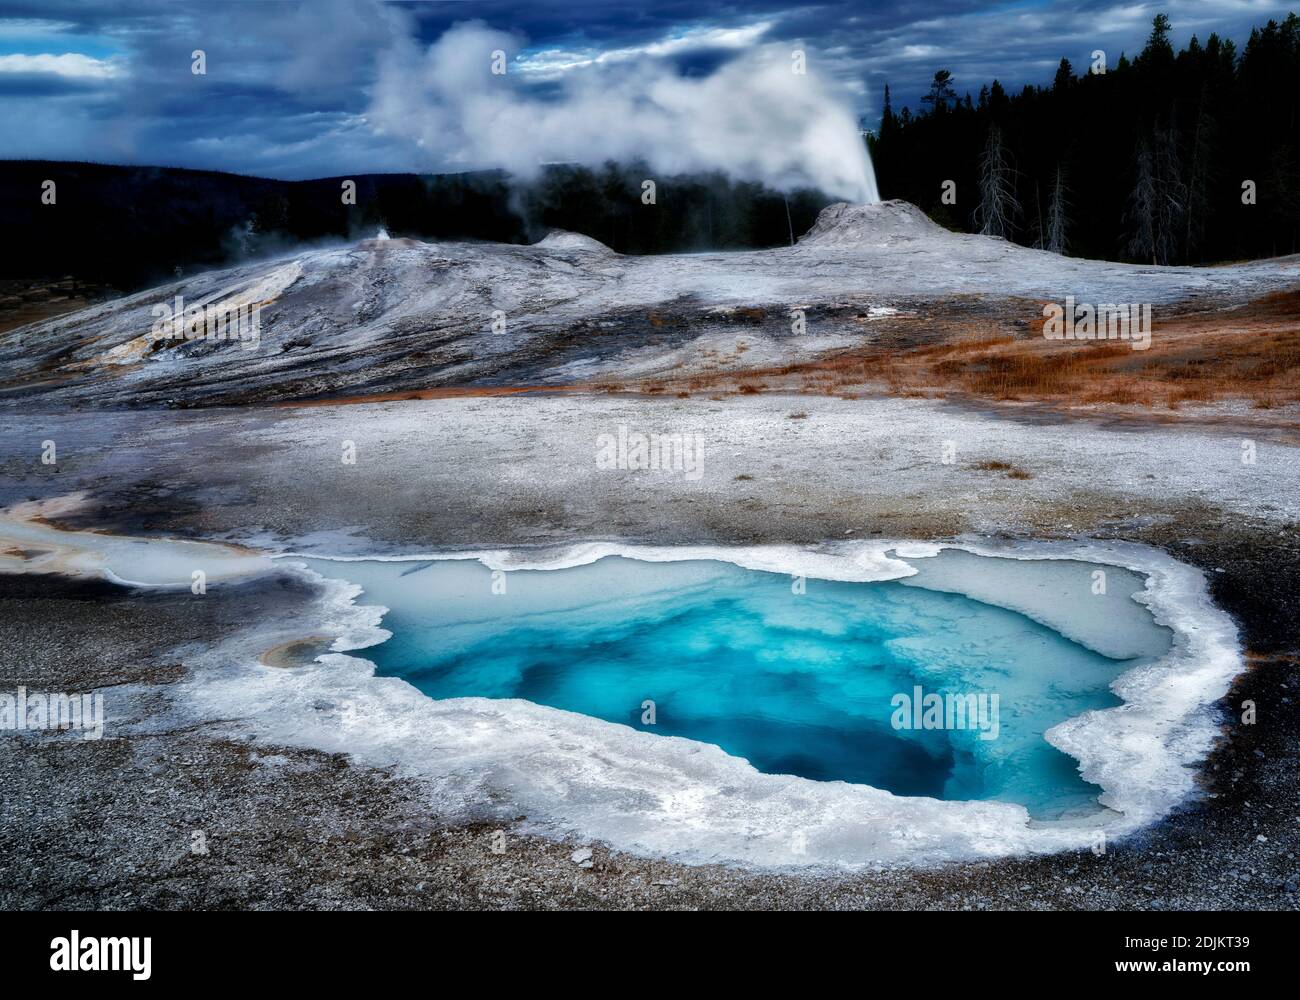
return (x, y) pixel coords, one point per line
(1157, 159)
(130, 227)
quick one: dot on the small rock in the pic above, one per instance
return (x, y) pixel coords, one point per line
(580, 855)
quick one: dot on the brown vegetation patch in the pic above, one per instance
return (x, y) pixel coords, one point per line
(1251, 352)
(1012, 471)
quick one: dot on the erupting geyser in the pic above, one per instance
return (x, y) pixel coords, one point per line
(767, 115)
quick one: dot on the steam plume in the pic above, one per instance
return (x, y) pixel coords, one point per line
(753, 118)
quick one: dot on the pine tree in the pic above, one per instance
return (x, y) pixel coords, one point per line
(1056, 239)
(941, 91)
(997, 99)
(1141, 213)
(1171, 201)
(888, 123)
(1064, 77)
(1158, 51)
(998, 207)
(1198, 180)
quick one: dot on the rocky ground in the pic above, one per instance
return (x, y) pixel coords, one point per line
(195, 441)
(112, 823)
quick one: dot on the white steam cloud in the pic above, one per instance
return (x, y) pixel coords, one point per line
(753, 118)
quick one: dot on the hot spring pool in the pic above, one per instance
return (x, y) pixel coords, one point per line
(826, 680)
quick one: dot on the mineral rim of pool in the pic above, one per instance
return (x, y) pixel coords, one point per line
(825, 680)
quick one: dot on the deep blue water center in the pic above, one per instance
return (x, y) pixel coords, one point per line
(804, 684)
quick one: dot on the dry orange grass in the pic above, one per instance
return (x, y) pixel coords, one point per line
(1250, 353)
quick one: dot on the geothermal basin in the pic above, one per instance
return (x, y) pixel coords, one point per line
(865, 704)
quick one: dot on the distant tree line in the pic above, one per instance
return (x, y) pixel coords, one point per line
(1164, 158)
(132, 227)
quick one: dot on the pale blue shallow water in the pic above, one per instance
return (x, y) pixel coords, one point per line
(795, 684)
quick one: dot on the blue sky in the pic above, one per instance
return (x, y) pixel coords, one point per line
(290, 88)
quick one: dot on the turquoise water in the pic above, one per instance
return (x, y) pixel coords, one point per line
(802, 684)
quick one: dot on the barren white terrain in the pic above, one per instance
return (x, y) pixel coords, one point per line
(176, 454)
(393, 314)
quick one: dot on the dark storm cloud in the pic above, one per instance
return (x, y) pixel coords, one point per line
(43, 85)
(288, 84)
